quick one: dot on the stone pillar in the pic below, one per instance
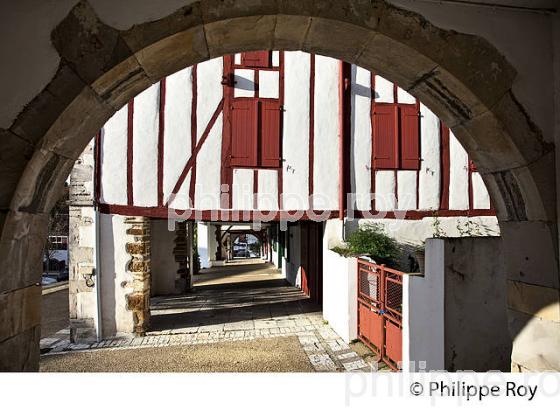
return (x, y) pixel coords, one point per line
(81, 249)
(138, 247)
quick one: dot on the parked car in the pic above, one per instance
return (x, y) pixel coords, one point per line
(46, 280)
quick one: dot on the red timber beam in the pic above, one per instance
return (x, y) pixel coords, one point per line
(192, 160)
(229, 216)
(161, 139)
(194, 130)
(130, 154)
(344, 89)
(311, 127)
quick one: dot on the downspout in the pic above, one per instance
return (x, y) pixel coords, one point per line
(343, 155)
(97, 250)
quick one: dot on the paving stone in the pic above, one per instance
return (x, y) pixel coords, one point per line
(265, 324)
(322, 362)
(355, 365)
(244, 325)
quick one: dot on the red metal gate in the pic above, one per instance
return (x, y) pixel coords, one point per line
(380, 311)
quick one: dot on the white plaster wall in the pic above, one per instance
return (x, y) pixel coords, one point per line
(242, 190)
(295, 133)
(145, 148)
(458, 175)
(177, 136)
(267, 197)
(114, 159)
(385, 199)
(163, 265)
(269, 84)
(423, 313)
(209, 92)
(325, 172)
(430, 165)
(481, 198)
(275, 58)
(208, 165)
(405, 98)
(339, 285)
(361, 137)
(203, 246)
(115, 317)
(181, 200)
(244, 80)
(406, 188)
(383, 90)
(407, 231)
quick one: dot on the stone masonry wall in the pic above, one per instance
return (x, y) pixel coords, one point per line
(81, 250)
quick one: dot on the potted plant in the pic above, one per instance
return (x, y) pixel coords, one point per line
(371, 242)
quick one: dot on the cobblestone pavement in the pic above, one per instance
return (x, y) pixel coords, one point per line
(236, 312)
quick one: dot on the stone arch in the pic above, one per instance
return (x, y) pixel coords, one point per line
(101, 68)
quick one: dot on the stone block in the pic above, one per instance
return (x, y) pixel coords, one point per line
(530, 253)
(361, 13)
(173, 53)
(535, 342)
(20, 310)
(20, 353)
(121, 83)
(77, 125)
(42, 182)
(90, 46)
(143, 35)
(252, 33)
(21, 250)
(290, 32)
(38, 116)
(394, 61)
(534, 300)
(14, 154)
(347, 45)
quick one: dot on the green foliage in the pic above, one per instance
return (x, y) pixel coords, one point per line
(371, 240)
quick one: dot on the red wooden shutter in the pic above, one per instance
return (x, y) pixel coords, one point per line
(256, 59)
(244, 132)
(385, 141)
(270, 133)
(410, 137)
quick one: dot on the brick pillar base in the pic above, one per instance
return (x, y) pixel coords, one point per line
(138, 247)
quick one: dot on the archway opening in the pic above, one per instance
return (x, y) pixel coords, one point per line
(482, 111)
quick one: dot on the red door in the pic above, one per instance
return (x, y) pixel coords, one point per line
(312, 260)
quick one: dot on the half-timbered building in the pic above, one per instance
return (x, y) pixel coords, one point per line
(304, 146)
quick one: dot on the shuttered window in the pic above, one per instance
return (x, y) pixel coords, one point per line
(269, 125)
(396, 136)
(260, 59)
(244, 132)
(255, 133)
